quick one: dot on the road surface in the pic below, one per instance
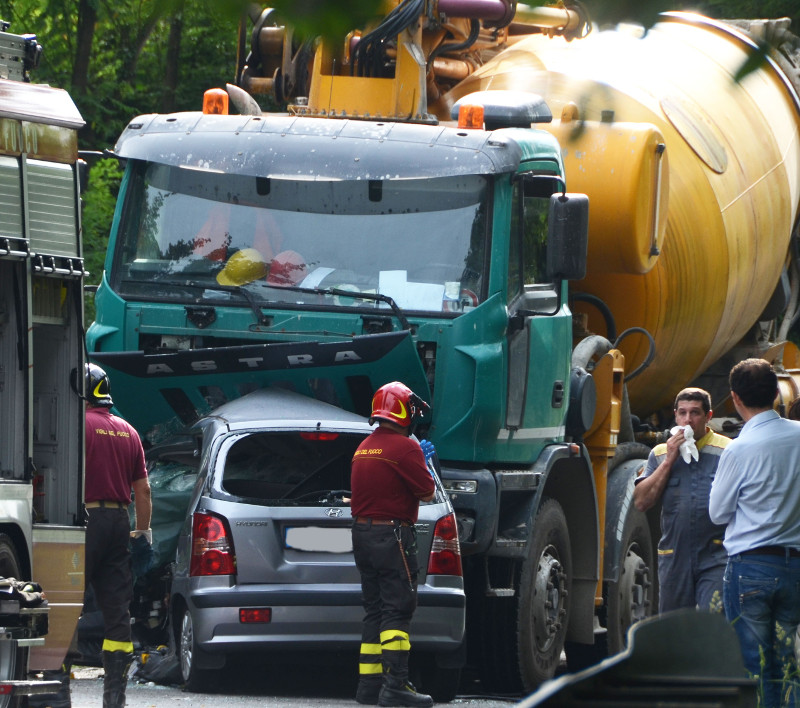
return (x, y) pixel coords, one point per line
(251, 687)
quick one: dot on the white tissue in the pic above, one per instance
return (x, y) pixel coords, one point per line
(688, 448)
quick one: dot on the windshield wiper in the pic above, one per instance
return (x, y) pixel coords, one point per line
(264, 320)
(375, 297)
(261, 318)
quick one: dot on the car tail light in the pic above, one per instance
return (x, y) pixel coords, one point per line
(255, 615)
(212, 546)
(319, 435)
(445, 551)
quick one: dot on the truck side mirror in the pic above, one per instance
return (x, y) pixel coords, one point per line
(83, 175)
(568, 236)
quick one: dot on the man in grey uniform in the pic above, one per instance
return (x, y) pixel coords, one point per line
(691, 558)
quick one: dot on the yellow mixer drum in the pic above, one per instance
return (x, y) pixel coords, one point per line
(731, 189)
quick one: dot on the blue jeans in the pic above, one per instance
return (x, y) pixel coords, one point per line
(761, 595)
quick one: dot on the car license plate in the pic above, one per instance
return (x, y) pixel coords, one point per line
(318, 538)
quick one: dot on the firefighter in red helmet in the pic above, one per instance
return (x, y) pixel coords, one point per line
(389, 478)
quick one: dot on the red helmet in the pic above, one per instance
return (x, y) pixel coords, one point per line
(398, 404)
(287, 268)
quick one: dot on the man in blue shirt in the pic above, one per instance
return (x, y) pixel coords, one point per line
(757, 494)
(691, 558)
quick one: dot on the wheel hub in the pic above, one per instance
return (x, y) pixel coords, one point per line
(187, 642)
(549, 599)
(635, 587)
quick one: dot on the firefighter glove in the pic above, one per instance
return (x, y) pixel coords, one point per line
(147, 533)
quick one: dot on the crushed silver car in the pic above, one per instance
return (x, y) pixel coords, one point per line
(264, 560)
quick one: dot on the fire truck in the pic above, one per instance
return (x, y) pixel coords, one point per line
(41, 342)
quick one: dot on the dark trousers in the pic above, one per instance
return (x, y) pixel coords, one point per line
(762, 602)
(690, 579)
(108, 570)
(389, 594)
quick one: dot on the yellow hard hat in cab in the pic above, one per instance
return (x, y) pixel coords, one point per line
(243, 267)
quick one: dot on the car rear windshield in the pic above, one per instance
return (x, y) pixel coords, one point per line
(288, 468)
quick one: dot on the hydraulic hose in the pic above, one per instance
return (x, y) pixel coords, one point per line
(650, 354)
(605, 311)
(369, 54)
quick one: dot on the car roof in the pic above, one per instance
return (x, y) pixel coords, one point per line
(280, 408)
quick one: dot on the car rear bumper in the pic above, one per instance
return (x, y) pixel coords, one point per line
(302, 616)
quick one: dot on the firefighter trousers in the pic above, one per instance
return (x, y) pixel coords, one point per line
(389, 593)
(108, 570)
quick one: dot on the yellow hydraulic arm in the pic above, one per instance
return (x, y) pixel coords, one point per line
(398, 69)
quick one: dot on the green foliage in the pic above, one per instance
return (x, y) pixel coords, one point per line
(327, 19)
(136, 45)
(753, 9)
(611, 12)
(128, 59)
(785, 647)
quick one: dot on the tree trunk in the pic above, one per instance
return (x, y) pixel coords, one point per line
(130, 62)
(87, 19)
(172, 72)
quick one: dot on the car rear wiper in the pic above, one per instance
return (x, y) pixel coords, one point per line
(333, 497)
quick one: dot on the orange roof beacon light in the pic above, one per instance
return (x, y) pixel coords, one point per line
(215, 102)
(501, 109)
(470, 116)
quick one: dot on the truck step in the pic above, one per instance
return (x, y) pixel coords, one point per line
(500, 592)
(506, 542)
(517, 480)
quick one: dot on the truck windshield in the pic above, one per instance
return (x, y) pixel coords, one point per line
(185, 232)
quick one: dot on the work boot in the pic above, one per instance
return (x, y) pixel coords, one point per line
(397, 690)
(402, 693)
(368, 689)
(116, 665)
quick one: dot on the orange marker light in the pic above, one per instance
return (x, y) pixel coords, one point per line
(215, 102)
(470, 117)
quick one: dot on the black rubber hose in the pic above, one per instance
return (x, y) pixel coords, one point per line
(650, 355)
(475, 29)
(611, 325)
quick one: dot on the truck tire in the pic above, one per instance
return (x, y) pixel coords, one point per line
(195, 679)
(632, 597)
(13, 660)
(523, 636)
(544, 596)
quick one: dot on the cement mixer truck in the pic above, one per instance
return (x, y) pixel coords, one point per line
(419, 212)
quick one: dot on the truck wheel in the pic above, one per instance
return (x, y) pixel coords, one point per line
(522, 636)
(544, 596)
(195, 679)
(13, 665)
(632, 597)
(13, 660)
